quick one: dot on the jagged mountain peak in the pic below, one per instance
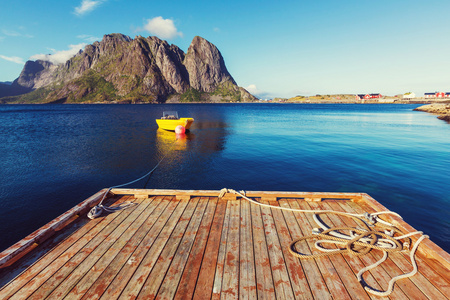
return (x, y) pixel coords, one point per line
(120, 68)
(206, 66)
(117, 36)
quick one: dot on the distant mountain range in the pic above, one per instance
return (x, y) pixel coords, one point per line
(119, 69)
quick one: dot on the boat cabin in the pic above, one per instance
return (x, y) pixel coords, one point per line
(170, 115)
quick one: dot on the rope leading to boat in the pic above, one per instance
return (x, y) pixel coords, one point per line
(97, 210)
(358, 241)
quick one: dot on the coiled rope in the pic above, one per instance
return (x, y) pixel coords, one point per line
(358, 242)
(97, 210)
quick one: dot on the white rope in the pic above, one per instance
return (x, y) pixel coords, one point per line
(361, 216)
(370, 220)
(394, 279)
(384, 243)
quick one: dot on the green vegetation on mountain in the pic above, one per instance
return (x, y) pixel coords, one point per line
(228, 91)
(140, 70)
(34, 97)
(191, 95)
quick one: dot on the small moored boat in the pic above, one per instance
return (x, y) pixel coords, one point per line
(170, 121)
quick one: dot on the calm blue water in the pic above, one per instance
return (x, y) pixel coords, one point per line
(53, 157)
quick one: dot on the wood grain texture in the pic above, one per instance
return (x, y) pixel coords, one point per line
(190, 244)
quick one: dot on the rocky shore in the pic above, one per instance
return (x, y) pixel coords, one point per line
(440, 109)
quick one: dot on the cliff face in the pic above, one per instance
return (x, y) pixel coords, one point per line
(120, 68)
(206, 66)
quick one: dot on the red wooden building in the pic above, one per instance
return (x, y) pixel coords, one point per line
(437, 95)
(368, 96)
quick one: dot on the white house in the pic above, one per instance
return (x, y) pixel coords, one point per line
(409, 95)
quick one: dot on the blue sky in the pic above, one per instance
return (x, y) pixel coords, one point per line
(272, 48)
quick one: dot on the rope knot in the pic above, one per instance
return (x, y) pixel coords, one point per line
(389, 232)
(223, 192)
(316, 231)
(370, 218)
(406, 245)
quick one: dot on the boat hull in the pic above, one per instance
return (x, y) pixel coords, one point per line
(172, 124)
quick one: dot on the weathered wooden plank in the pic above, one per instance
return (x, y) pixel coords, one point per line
(38, 261)
(21, 248)
(124, 256)
(264, 280)
(186, 286)
(435, 279)
(145, 255)
(177, 262)
(79, 281)
(283, 288)
(218, 278)
(329, 274)
(346, 274)
(66, 277)
(230, 281)
(315, 280)
(430, 251)
(115, 256)
(217, 287)
(270, 195)
(399, 263)
(158, 260)
(205, 281)
(247, 276)
(392, 266)
(377, 278)
(14, 271)
(235, 250)
(48, 267)
(429, 269)
(47, 252)
(300, 285)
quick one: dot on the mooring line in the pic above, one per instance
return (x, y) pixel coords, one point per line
(97, 210)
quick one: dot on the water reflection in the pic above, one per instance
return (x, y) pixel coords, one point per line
(190, 157)
(168, 141)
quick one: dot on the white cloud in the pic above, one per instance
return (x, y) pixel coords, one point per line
(10, 32)
(60, 57)
(88, 38)
(13, 33)
(252, 89)
(87, 6)
(216, 29)
(14, 59)
(163, 28)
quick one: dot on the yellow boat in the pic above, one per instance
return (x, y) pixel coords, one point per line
(170, 121)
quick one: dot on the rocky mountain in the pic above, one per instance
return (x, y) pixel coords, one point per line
(10, 89)
(139, 70)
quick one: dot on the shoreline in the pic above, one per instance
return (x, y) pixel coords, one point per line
(442, 110)
(424, 102)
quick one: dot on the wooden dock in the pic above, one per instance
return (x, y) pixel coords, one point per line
(190, 244)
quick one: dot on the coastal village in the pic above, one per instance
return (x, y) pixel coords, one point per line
(408, 97)
(437, 103)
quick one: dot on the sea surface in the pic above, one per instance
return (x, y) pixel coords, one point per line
(54, 156)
